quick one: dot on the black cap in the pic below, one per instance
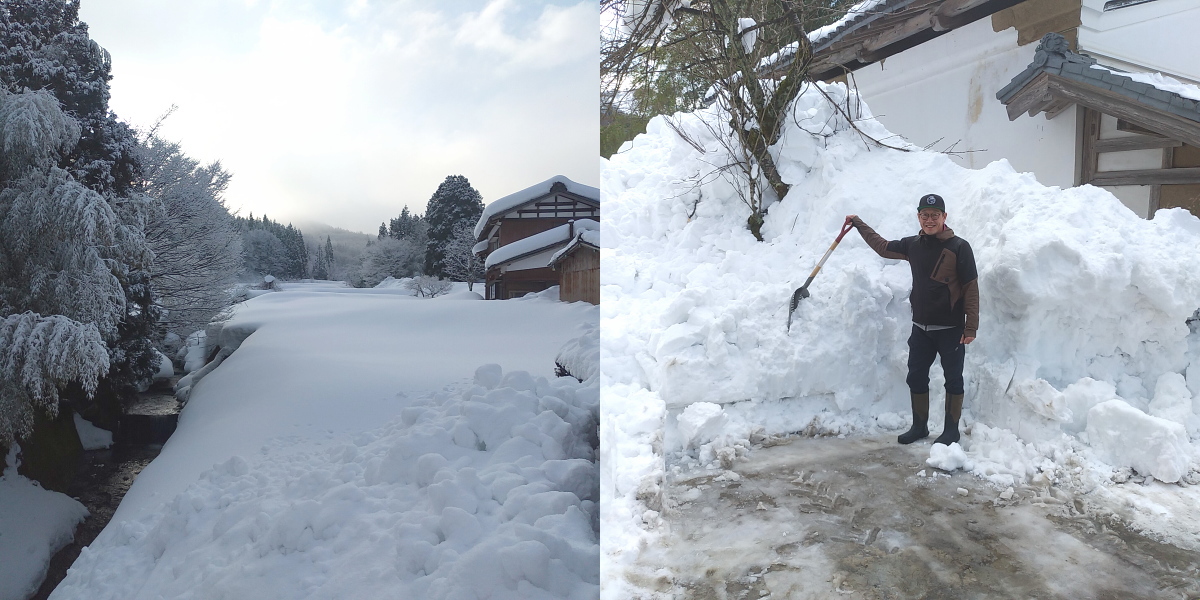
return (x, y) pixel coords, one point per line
(932, 201)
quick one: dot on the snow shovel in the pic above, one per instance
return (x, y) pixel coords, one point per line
(802, 291)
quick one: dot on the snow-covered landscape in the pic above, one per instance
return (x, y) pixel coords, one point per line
(365, 443)
(1084, 382)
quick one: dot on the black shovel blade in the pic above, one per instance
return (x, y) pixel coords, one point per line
(797, 296)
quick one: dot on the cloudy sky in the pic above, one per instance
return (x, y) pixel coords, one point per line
(343, 111)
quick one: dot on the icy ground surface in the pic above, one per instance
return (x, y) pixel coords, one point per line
(369, 445)
(864, 517)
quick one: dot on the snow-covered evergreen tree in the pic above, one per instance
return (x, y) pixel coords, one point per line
(330, 262)
(38, 356)
(196, 243)
(264, 253)
(319, 270)
(44, 46)
(285, 257)
(454, 202)
(407, 225)
(69, 264)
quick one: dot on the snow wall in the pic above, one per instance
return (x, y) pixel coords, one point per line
(1084, 342)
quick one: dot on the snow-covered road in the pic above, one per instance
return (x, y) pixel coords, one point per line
(864, 517)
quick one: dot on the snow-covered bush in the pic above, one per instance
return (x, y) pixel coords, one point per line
(424, 286)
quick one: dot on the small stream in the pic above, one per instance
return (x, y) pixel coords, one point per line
(105, 475)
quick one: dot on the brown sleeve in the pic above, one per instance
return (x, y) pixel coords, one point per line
(876, 241)
(971, 306)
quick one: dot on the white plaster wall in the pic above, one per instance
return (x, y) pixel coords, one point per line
(1135, 197)
(533, 261)
(944, 91)
(1161, 36)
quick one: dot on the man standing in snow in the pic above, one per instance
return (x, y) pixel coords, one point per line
(945, 306)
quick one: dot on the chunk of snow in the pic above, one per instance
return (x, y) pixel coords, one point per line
(166, 369)
(92, 437)
(948, 458)
(700, 422)
(1124, 436)
(581, 356)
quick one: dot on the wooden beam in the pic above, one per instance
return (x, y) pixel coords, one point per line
(1156, 190)
(1136, 143)
(1182, 176)
(1031, 98)
(1123, 125)
(1122, 107)
(1091, 134)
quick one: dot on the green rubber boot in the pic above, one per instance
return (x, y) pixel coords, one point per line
(920, 426)
(949, 435)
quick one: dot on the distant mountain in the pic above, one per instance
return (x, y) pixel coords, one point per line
(348, 247)
(314, 232)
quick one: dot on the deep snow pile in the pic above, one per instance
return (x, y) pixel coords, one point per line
(1083, 342)
(352, 447)
(34, 524)
(491, 490)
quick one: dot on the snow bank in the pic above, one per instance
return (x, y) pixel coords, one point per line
(489, 492)
(34, 524)
(351, 447)
(1082, 302)
(580, 356)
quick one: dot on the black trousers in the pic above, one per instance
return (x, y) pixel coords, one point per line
(923, 346)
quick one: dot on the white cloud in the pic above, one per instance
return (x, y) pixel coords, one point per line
(344, 112)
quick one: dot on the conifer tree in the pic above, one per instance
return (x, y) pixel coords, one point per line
(455, 202)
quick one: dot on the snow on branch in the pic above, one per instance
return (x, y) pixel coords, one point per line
(33, 129)
(38, 355)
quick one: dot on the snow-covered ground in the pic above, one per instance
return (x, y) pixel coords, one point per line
(34, 524)
(365, 444)
(1084, 374)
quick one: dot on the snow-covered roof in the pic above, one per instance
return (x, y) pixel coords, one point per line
(530, 194)
(873, 30)
(587, 237)
(858, 12)
(538, 242)
(1054, 58)
(479, 247)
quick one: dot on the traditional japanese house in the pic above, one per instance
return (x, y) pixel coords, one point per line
(518, 234)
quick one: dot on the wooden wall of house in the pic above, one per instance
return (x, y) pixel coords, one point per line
(512, 230)
(580, 276)
(1182, 195)
(514, 284)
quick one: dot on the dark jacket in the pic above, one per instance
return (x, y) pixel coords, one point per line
(945, 286)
